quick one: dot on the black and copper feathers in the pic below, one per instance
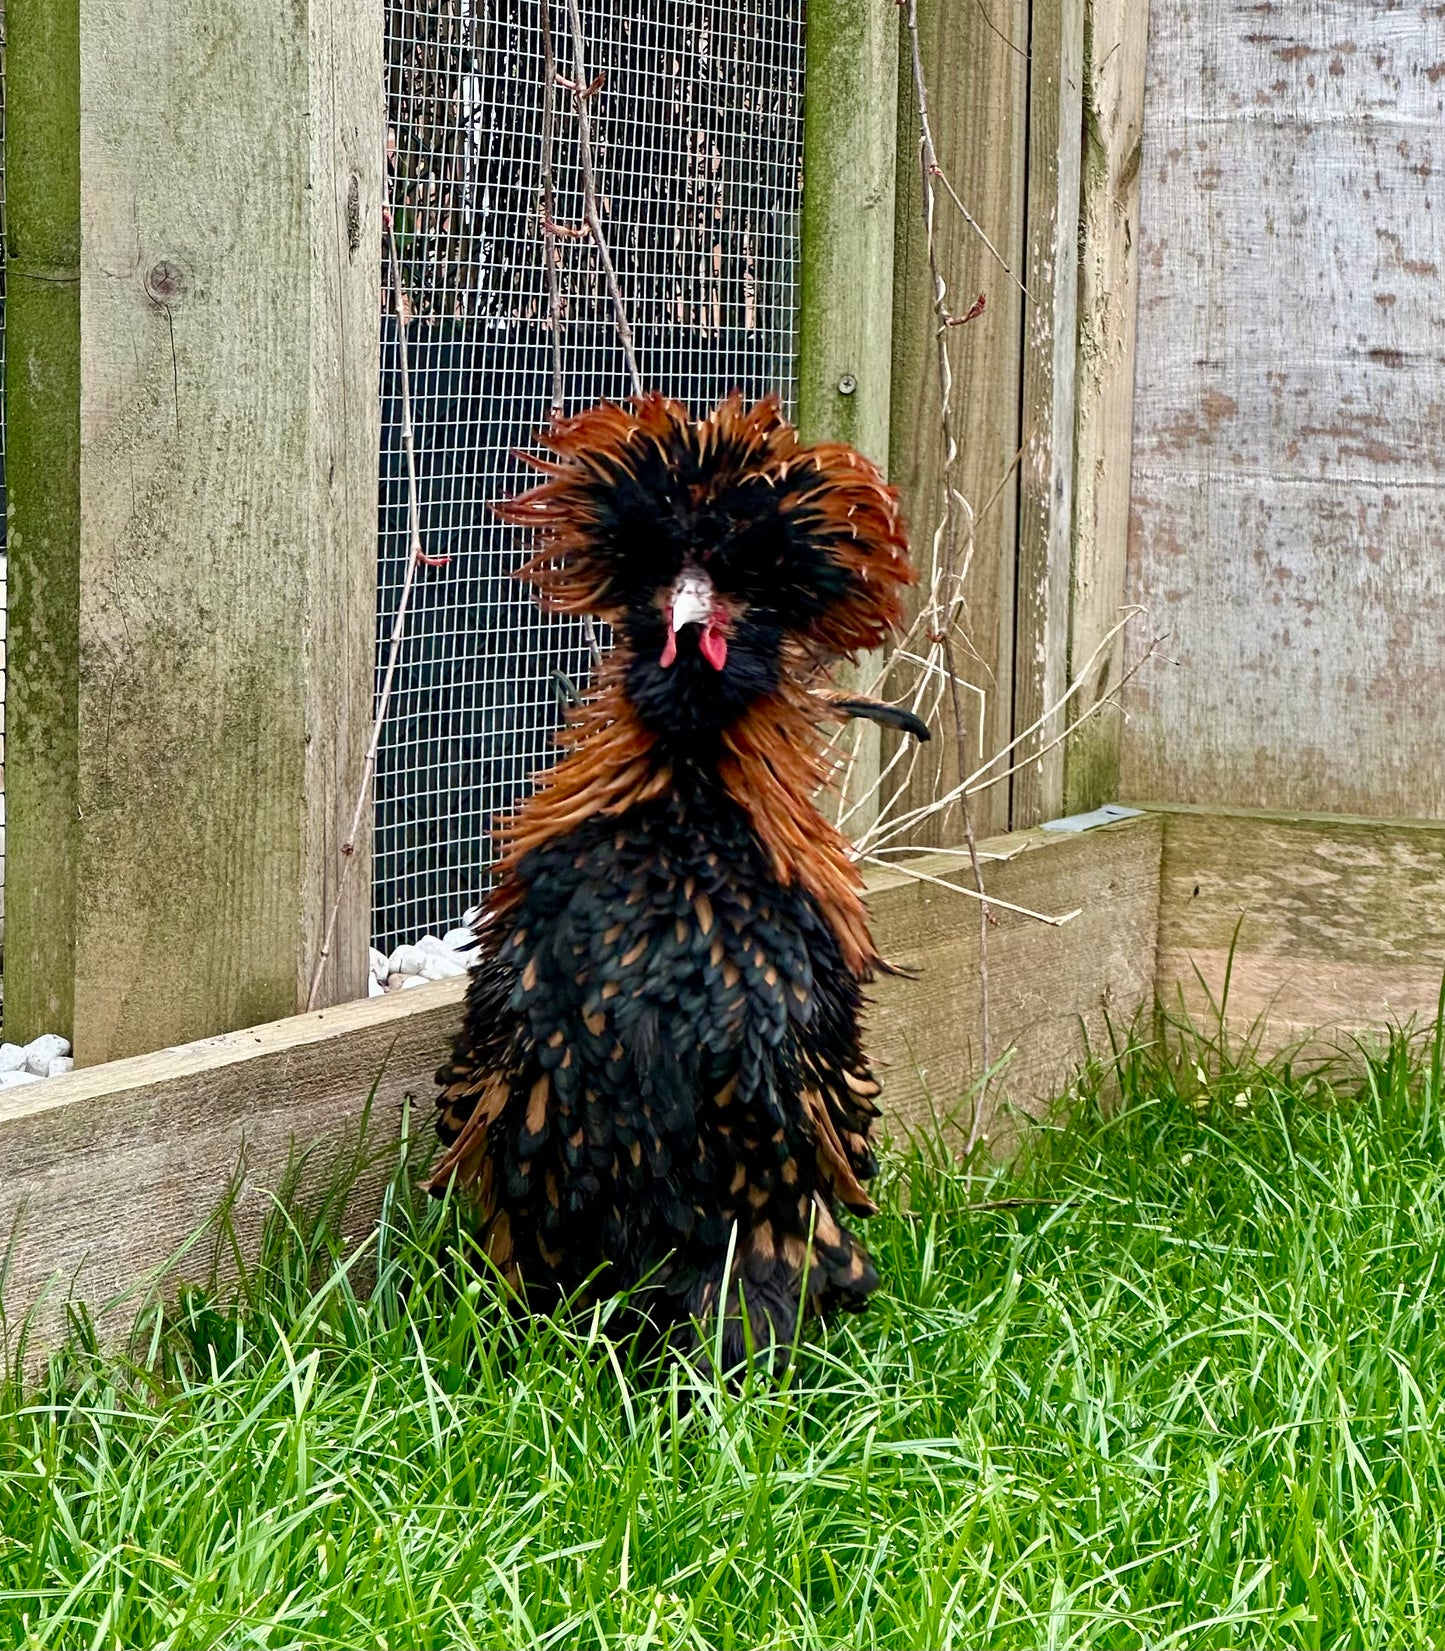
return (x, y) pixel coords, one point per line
(660, 1063)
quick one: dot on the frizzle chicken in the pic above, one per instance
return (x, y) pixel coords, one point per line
(660, 1066)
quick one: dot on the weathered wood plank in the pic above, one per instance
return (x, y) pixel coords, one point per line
(976, 62)
(1049, 988)
(42, 440)
(1289, 469)
(111, 1169)
(849, 182)
(348, 113)
(1116, 37)
(1334, 924)
(225, 547)
(224, 557)
(108, 1171)
(1050, 343)
(846, 283)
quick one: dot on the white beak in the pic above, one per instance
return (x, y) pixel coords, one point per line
(692, 598)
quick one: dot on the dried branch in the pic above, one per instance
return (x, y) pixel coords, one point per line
(415, 557)
(989, 900)
(589, 190)
(946, 536)
(977, 228)
(550, 230)
(982, 778)
(549, 203)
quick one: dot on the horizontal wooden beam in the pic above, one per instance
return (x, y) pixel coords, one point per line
(1050, 989)
(1328, 926)
(110, 1170)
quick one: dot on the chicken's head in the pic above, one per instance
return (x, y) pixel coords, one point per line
(723, 552)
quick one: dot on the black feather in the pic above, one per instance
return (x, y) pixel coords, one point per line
(887, 716)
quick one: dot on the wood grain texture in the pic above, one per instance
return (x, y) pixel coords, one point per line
(1050, 346)
(849, 183)
(1113, 134)
(348, 114)
(1289, 460)
(1337, 924)
(1050, 988)
(42, 464)
(229, 295)
(976, 63)
(110, 1171)
(846, 287)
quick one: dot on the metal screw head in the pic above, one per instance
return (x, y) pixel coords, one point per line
(847, 384)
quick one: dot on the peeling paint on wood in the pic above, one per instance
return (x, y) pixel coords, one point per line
(1288, 524)
(1050, 345)
(1114, 57)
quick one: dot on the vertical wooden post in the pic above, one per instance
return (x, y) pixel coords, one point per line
(975, 59)
(195, 592)
(43, 502)
(1114, 67)
(1056, 39)
(845, 344)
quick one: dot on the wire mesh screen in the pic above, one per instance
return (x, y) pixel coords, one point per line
(697, 136)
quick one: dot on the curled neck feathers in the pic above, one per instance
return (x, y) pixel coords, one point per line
(771, 763)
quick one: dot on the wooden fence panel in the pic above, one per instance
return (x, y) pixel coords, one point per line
(1289, 462)
(1322, 924)
(109, 1172)
(195, 595)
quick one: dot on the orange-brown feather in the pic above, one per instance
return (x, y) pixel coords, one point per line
(773, 762)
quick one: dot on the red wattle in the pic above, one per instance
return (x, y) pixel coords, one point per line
(714, 646)
(669, 652)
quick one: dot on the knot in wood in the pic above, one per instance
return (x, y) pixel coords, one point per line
(166, 282)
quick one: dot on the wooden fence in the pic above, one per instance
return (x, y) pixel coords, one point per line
(1231, 209)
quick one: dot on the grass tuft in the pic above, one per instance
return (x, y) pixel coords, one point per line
(1175, 1378)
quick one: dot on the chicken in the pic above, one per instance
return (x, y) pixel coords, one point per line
(659, 1079)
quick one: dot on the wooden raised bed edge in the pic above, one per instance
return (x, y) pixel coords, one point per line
(109, 1170)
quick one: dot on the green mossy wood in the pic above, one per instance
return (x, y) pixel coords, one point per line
(195, 292)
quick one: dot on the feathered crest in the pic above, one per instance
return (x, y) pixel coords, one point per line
(811, 532)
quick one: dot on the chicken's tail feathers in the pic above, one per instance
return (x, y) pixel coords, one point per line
(884, 714)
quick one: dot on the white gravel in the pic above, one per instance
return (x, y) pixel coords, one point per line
(432, 957)
(39, 1052)
(44, 1057)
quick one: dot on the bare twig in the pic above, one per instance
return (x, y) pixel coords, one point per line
(989, 900)
(977, 228)
(415, 557)
(953, 503)
(983, 777)
(549, 203)
(550, 231)
(589, 192)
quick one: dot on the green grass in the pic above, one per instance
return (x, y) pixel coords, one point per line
(1186, 1389)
